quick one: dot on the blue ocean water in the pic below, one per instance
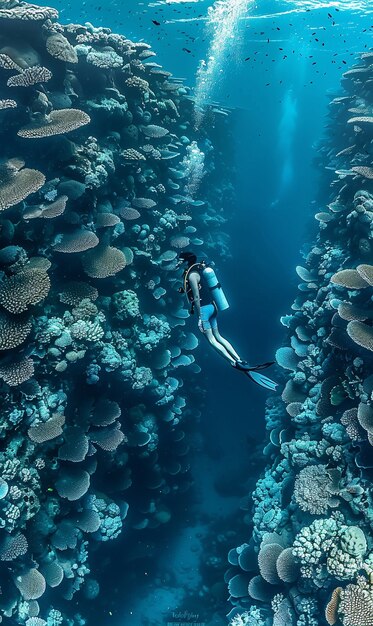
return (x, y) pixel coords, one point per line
(277, 77)
(280, 66)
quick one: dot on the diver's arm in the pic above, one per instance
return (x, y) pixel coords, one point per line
(194, 281)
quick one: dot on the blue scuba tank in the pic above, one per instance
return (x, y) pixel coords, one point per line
(217, 293)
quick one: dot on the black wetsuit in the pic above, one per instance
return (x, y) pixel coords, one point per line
(204, 291)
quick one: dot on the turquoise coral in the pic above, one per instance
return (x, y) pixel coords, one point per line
(90, 377)
(319, 450)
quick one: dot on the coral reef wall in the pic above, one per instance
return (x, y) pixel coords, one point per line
(309, 561)
(99, 183)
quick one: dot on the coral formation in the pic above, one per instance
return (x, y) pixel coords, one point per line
(95, 366)
(311, 549)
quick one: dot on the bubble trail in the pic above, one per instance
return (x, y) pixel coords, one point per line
(223, 20)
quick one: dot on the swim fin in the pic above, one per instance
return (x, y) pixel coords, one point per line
(252, 372)
(261, 380)
(243, 366)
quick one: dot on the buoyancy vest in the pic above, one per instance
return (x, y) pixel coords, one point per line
(205, 295)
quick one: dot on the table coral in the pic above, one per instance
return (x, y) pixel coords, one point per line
(84, 341)
(321, 426)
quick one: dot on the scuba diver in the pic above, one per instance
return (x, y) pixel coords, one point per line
(205, 295)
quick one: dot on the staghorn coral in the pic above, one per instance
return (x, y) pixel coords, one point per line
(137, 84)
(130, 154)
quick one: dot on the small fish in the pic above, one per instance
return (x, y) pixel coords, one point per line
(186, 50)
(156, 23)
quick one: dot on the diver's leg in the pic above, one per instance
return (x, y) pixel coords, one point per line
(218, 346)
(225, 343)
